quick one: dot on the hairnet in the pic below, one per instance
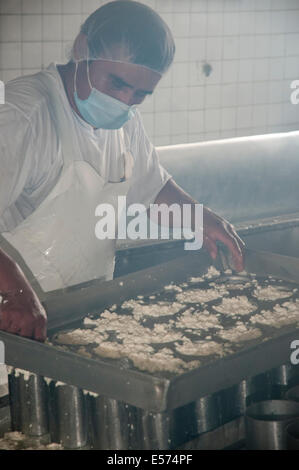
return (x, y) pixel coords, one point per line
(131, 32)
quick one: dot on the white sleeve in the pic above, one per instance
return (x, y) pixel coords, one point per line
(149, 176)
(15, 137)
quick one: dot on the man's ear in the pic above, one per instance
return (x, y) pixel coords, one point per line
(80, 48)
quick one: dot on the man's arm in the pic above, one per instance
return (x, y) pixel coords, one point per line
(20, 310)
(214, 227)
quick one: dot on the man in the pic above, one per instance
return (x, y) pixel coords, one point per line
(71, 138)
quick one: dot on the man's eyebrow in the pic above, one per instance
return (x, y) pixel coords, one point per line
(121, 82)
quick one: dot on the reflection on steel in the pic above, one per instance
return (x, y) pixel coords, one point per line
(110, 421)
(71, 413)
(154, 429)
(34, 417)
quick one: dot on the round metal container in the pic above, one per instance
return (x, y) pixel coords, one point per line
(265, 424)
(292, 435)
(71, 413)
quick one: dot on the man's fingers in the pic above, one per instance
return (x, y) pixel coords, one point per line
(233, 246)
(40, 333)
(211, 246)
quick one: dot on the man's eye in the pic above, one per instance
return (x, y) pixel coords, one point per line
(117, 85)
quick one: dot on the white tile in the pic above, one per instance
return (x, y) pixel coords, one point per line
(165, 5)
(166, 80)
(259, 115)
(275, 114)
(30, 71)
(198, 24)
(229, 96)
(244, 117)
(179, 139)
(31, 27)
(179, 99)
(162, 124)
(197, 49)
(228, 118)
(148, 104)
(32, 54)
(227, 133)
(231, 5)
(230, 71)
(290, 113)
(71, 6)
(197, 137)
(292, 19)
(262, 46)
(246, 22)
(262, 22)
(11, 6)
(180, 6)
(71, 26)
(52, 52)
(198, 5)
(162, 99)
(245, 70)
(179, 122)
(7, 75)
(89, 6)
(260, 92)
(277, 45)
(212, 120)
(10, 28)
(196, 73)
(52, 27)
(292, 68)
(181, 24)
(213, 96)
(277, 68)
(261, 69)
(279, 21)
(247, 47)
(286, 90)
(276, 89)
(214, 48)
(182, 50)
(231, 24)
(244, 94)
(214, 135)
(246, 5)
(66, 50)
(162, 140)
(231, 47)
(215, 25)
(168, 18)
(180, 74)
(292, 41)
(32, 6)
(196, 97)
(195, 121)
(148, 122)
(10, 55)
(52, 6)
(215, 5)
(215, 76)
(262, 4)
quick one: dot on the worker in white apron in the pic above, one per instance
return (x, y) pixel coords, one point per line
(57, 241)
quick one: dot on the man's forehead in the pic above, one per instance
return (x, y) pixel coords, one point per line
(136, 75)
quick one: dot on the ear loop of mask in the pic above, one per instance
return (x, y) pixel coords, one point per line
(88, 77)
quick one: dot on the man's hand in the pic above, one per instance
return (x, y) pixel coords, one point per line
(214, 227)
(217, 229)
(21, 312)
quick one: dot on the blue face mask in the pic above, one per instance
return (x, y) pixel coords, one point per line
(101, 110)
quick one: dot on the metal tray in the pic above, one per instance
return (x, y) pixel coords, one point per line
(153, 392)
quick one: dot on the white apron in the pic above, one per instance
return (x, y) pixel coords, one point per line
(57, 241)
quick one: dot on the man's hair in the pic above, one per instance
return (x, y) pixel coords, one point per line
(132, 32)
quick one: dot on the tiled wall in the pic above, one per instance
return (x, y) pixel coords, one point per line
(251, 46)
